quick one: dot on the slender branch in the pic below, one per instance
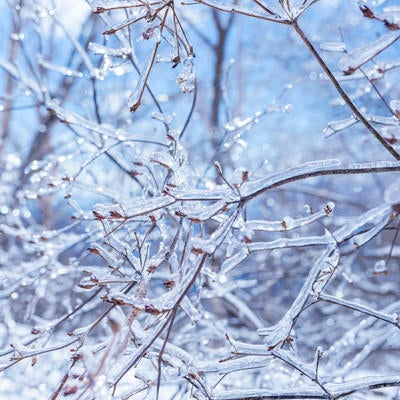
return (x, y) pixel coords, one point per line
(343, 94)
(63, 381)
(360, 308)
(242, 11)
(161, 352)
(323, 172)
(8, 99)
(301, 370)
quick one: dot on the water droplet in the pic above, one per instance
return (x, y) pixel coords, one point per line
(119, 71)
(17, 36)
(27, 214)
(287, 223)
(43, 387)
(4, 210)
(30, 195)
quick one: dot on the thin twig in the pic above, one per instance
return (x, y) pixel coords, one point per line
(342, 92)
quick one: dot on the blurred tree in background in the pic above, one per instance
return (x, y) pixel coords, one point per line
(199, 199)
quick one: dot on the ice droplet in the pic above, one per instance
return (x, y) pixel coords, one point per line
(380, 267)
(222, 278)
(287, 223)
(4, 210)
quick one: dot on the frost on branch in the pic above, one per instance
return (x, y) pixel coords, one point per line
(173, 225)
(357, 58)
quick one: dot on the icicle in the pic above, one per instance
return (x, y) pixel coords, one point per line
(286, 224)
(133, 208)
(166, 119)
(233, 261)
(164, 159)
(135, 98)
(357, 58)
(210, 244)
(365, 222)
(202, 212)
(99, 49)
(250, 187)
(333, 46)
(59, 68)
(337, 126)
(186, 77)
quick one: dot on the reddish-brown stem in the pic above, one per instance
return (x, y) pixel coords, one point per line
(359, 115)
